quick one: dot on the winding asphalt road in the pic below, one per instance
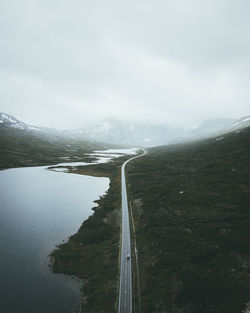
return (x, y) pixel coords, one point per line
(125, 293)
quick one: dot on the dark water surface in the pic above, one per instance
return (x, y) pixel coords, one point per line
(39, 209)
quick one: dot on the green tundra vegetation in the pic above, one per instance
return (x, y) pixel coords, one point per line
(190, 205)
(20, 148)
(191, 208)
(92, 254)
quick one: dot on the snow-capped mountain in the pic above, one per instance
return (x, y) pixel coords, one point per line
(127, 133)
(133, 134)
(10, 121)
(240, 123)
(25, 145)
(210, 126)
(7, 120)
(121, 132)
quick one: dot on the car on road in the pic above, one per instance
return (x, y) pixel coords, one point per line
(128, 256)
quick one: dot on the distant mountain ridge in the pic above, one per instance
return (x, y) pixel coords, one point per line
(7, 120)
(142, 134)
(25, 145)
(11, 121)
(133, 134)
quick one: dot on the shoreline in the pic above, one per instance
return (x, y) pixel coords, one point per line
(92, 253)
(101, 250)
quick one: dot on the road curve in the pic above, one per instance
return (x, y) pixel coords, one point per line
(125, 293)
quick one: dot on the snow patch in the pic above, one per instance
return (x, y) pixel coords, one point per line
(246, 119)
(61, 169)
(236, 124)
(218, 139)
(105, 126)
(118, 151)
(103, 156)
(73, 164)
(8, 118)
(4, 118)
(33, 128)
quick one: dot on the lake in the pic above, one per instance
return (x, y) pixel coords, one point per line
(38, 210)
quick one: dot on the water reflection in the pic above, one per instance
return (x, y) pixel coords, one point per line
(40, 209)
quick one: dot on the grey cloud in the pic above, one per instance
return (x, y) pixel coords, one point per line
(163, 61)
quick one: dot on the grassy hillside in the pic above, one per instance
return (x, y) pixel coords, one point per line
(93, 252)
(192, 218)
(24, 148)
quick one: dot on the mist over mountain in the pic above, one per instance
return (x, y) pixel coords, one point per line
(125, 133)
(128, 133)
(148, 135)
(25, 145)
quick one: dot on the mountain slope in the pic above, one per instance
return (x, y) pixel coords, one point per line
(192, 219)
(148, 135)
(24, 145)
(132, 134)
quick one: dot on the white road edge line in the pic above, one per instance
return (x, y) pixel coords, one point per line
(123, 177)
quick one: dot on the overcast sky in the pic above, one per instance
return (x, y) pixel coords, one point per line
(64, 64)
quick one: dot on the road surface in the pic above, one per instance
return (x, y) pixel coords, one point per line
(125, 293)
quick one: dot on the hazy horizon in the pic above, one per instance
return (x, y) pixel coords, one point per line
(99, 122)
(66, 65)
